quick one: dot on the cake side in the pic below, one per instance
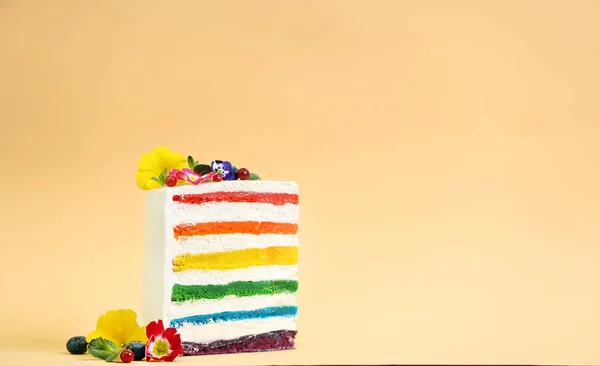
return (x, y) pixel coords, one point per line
(154, 255)
(230, 265)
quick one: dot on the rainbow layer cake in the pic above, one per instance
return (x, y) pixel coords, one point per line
(222, 258)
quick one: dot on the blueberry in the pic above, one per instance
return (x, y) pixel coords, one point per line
(139, 350)
(77, 345)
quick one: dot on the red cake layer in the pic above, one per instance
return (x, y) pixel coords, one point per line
(251, 197)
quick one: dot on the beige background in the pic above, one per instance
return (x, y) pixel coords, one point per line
(447, 154)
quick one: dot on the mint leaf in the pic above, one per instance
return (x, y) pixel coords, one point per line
(103, 349)
(112, 357)
(254, 176)
(191, 162)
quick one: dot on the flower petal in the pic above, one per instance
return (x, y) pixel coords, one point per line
(181, 175)
(194, 178)
(144, 179)
(96, 334)
(102, 322)
(149, 346)
(173, 354)
(119, 326)
(154, 163)
(119, 321)
(168, 333)
(149, 161)
(175, 341)
(138, 335)
(103, 329)
(169, 159)
(207, 177)
(155, 329)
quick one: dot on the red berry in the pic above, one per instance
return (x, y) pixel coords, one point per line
(217, 178)
(127, 356)
(243, 174)
(171, 181)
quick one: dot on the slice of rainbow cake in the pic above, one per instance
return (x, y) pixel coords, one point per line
(221, 264)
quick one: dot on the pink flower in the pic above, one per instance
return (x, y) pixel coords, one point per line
(188, 175)
(163, 344)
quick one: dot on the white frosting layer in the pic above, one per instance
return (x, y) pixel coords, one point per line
(267, 186)
(223, 243)
(207, 333)
(217, 277)
(181, 213)
(230, 303)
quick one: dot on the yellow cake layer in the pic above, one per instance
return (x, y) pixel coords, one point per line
(237, 259)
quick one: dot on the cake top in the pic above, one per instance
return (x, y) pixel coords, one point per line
(165, 168)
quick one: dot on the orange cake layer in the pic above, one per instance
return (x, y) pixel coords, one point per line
(243, 227)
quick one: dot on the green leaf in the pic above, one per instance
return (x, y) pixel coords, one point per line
(191, 162)
(104, 349)
(112, 357)
(254, 176)
(158, 181)
(163, 177)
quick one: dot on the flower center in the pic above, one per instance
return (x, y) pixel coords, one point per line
(160, 348)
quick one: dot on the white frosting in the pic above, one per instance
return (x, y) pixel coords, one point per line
(206, 333)
(230, 303)
(181, 213)
(217, 277)
(266, 186)
(163, 214)
(222, 243)
(154, 256)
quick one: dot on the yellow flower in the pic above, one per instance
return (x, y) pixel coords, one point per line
(119, 326)
(153, 164)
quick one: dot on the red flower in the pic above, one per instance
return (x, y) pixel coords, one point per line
(163, 344)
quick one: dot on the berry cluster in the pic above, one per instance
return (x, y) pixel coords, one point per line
(221, 170)
(134, 350)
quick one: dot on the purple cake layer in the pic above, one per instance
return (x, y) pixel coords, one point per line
(272, 341)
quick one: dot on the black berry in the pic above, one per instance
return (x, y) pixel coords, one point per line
(202, 169)
(139, 350)
(77, 345)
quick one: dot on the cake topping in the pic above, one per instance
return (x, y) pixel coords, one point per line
(138, 349)
(120, 327)
(127, 356)
(104, 349)
(202, 169)
(171, 181)
(163, 167)
(118, 335)
(163, 344)
(243, 174)
(77, 345)
(187, 175)
(224, 169)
